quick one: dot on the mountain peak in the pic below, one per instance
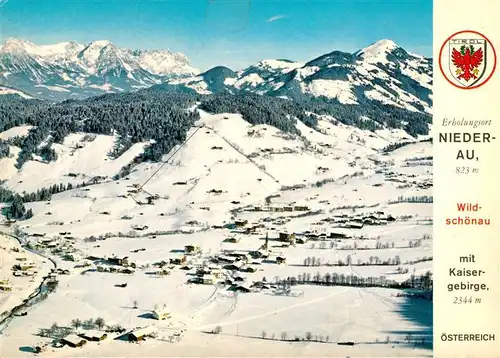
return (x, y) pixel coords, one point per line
(99, 43)
(12, 44)
(378, 51)
(377, 48)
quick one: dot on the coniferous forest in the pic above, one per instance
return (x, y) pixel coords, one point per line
(164, 117)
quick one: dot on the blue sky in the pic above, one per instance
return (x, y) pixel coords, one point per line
(235, 33)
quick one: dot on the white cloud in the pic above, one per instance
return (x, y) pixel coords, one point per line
(276, 18)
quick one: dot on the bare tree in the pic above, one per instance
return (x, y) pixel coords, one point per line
(408, 338)
(135, 304)
(53, 329)
(264, 334)
(76, 323)
(99, 322)
(309, 336)
(283, 336)
(218, 330)
(88, 323)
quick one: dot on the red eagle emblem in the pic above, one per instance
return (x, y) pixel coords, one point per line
(467, 61)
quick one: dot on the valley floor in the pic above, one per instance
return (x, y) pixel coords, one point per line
(109, 240)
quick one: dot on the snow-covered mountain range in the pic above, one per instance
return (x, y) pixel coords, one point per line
(383, 73)
(73, 70)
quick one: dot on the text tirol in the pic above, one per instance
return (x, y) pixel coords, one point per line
(458, 137)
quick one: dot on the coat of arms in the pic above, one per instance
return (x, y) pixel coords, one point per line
(468, 60)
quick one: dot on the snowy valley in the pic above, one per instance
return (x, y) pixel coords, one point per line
(256, 212)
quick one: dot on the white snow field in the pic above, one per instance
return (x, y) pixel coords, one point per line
(240, 182)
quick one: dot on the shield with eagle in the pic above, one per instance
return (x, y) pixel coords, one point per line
(467, 60)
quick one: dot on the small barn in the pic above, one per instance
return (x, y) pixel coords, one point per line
(354, 225)
(140, 334)
(234, 266)
(94, 336)
(189, 249)
(241, 288)
(301, 239)
(208, 279)
(161, 313)
(240, 223)
(232, 240)
(178, 260)
(123, 261)
(249, 268)
(280, 260)
(73, 341)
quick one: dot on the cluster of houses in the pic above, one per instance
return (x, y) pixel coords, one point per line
(426, 183)
(279, 208)
(24, 267)
(114, 269)
(5, 285)
(358, 221)
(76, 340)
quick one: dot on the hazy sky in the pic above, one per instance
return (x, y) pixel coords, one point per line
(234, 33)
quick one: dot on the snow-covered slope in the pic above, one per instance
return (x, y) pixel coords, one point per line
(72, 70)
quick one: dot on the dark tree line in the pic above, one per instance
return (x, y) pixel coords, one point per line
(4, 149)
(134, 117)
(164, 118)
(255, 109)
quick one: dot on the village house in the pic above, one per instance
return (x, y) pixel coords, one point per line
(208, 279)
(300, 208)
(338, 235)
(284, 236)
(354, 225)
(118, 261)
(227, 259)
(261, 253)
(178, 260)
(73, 341)
(243, 287)
(190, 249)
(200, 271)
(73, 257)
(249, 268)
(92, 335)
(217, 273)
(240, 255)
(161, 313)
(5, 286)
(163, 272)
(281, 260)
(24, 266)
(236, 266)
(127, 271)
(140, 227)
(233, 239)
(139, 334)
(240, 223)
(301, 239)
